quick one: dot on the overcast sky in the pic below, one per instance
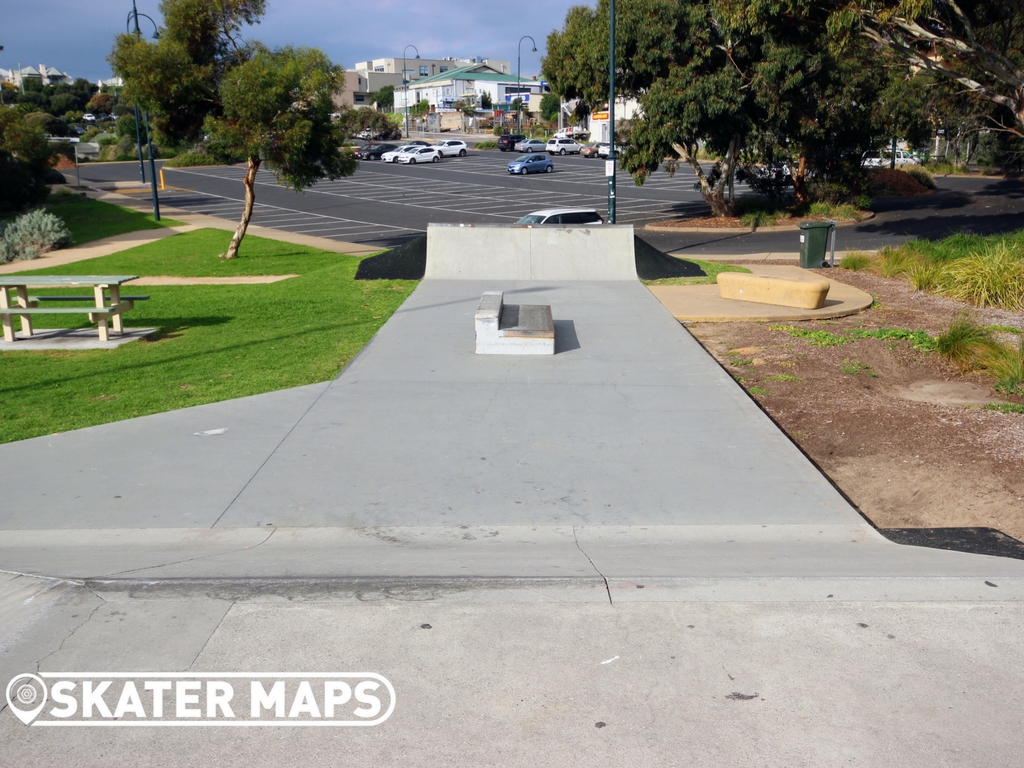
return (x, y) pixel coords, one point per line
(75, 37)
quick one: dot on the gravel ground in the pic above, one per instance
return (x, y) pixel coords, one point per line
(900, 431)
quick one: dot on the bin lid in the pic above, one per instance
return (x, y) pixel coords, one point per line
(816, 225)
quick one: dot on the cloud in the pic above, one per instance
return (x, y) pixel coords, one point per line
(77, 38)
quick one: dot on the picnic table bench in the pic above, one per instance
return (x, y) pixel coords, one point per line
(107, 301)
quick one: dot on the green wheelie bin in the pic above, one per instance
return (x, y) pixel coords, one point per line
(813, 243)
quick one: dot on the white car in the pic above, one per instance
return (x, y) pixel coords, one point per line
(88, 117)
(421, 155)
(563, 147)
(563, 216)
(572, 132)
(392, 156)
(884, 159)
(452, 148)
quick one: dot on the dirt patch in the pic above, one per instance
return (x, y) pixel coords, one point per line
(895, 183)
(899, 430)
(733, 222)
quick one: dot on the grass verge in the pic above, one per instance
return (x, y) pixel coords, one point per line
(711, 268)
(91, 220)
(214, 342)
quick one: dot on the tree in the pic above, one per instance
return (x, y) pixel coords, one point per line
(25, 158)
(368, 124)
(384, 99)
(102, 103)
(550, 105)
(675, 58)
(420, 109)
(485, 101)
(467, 106)
(277, 111)
(974, 43)
(201, 78)
(177, 79)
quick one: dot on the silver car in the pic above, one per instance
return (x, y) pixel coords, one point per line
(530, 145)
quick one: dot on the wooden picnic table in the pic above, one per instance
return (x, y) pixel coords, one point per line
(107, 300)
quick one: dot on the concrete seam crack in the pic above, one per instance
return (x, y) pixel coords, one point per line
(73, 631)
(208, 639)
(271, 455)
(191, 559)
(607, 589)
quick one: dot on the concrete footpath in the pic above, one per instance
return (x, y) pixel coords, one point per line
(605, 557)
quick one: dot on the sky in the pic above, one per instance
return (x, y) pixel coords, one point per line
(76, 37)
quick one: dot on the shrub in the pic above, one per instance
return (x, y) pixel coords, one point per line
(922, 176)
(855, 261)
(188, 159)
(993, 278)
(486, 145)
(31, 235)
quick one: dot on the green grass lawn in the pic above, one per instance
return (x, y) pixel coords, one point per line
(91, 220)
(214, 342)
(711, 268)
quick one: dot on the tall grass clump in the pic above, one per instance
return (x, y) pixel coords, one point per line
(855, 261)
(895, 262)
(1006, 363)
(966, 344)
(991, 278)
(922, 176)
(924, 276)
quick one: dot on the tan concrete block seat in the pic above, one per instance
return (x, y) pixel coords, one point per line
(802, 292)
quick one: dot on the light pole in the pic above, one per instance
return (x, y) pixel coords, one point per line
(406, 84)
(609, 166)
(134, 16)
(519, 78)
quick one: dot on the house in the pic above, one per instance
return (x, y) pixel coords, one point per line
(44, 75)
(445, 90)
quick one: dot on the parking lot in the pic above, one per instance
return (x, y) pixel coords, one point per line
(385, 203)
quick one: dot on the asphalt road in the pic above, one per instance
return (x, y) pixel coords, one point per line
(385, 204)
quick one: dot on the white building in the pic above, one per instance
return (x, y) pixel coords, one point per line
(446, 89)
(44, 75)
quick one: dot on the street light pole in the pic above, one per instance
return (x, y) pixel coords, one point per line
(406, 84)
(609, 167)
(519, 78)
(134, 16)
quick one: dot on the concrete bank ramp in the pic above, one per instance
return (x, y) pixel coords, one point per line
(499, 252)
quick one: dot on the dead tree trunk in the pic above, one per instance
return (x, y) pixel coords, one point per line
(250, 197)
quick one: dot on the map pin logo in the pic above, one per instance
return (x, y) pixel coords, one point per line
(23, 692)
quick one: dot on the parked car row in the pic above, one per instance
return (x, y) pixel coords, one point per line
(408, 152)
(873, 159)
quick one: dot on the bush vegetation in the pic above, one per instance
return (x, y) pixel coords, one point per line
(31, 235)
(984, 271)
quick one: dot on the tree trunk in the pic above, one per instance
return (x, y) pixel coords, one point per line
(714, 196)
(250, 197)
(803, 197)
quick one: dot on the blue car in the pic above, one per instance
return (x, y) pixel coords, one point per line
(525, 164)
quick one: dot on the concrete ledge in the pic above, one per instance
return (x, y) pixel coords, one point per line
(803, 293)
(513, 329)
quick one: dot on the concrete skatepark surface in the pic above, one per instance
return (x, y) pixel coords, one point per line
(608, 556)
